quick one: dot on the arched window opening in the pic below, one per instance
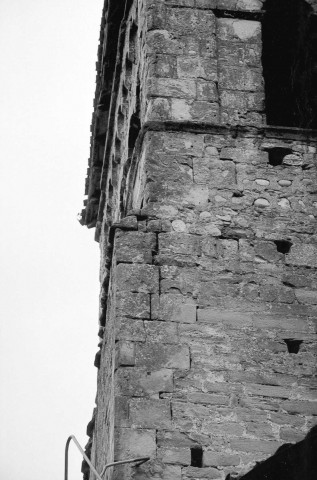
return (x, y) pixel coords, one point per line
(289, 60)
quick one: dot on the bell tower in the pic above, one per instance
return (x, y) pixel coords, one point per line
(202, 189)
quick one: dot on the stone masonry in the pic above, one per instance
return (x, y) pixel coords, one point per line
(206, 218)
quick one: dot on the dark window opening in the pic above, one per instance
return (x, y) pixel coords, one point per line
(277, 154)
(289, 59)
(196, 454)
(135, 126)
(283, 246)
(293, 346)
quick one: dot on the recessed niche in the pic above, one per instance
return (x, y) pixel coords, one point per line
(277, 154)
(196, 454)
(293, 345)
(283, 246)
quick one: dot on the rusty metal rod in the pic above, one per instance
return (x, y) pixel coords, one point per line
(121, 462)
(72, 437)
(108, 465)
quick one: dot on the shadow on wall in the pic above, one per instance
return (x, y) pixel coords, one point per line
(290, 462)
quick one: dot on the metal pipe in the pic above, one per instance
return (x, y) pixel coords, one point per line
(121, 462)
(72, 437)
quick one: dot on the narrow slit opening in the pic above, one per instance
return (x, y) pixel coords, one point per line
(196, 457)
(293, 345)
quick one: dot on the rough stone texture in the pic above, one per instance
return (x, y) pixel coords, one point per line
(208, 250)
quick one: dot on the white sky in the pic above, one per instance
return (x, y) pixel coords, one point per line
(49, 263)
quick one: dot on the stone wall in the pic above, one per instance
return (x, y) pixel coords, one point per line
(206, 221)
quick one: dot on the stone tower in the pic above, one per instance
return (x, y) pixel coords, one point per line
(202, 189)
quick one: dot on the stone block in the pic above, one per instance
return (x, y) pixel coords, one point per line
(134, 443)
(250, 5)
(178, 144)
(139, 382)
(158, 109)
(166, 66)
(208, 399)
(188, 67)
(222, 174)
(179, 243)
(174, 439)
(174, 308)
(162, 41)
(169, 87)
(260, 430)
(240, 78)
(236, 30)
(178, 456)
(275, 322)
(155, 468)
(204, 111)
(285, 419)
(164, 332)
(302, 255)
(175, 278)
(199, 111)
(130, 329)
(216, 316)
(190, 21)
(291, 436)
(137, 278)
(225, 429)
(205, 473)
(150, 413)
(207, 91)
(155, 356)
(216, 459)
(121, 412)
(302, 407)
(240, 54)
(308, 297)
(125, 353)
(135, 305)
(250, 445)
(134, 247)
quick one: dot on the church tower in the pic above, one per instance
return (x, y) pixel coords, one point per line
(202, 189)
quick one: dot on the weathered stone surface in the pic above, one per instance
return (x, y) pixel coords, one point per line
(178, 456)
(174, 308)
(215, 459)
(162, 356)
(210, 473)
(161, 331)
(136, 305)
(239, 30)
(150, 413)
(137, 278)
(251, 445)
(138, 382)
(130, 329)
(302, 255)
(134, 247)
(134, 443)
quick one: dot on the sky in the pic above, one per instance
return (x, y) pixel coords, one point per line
(49, 263)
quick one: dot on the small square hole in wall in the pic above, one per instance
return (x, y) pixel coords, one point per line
(293, 345)
(277, 154)
(283, 246)
(196, 457)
